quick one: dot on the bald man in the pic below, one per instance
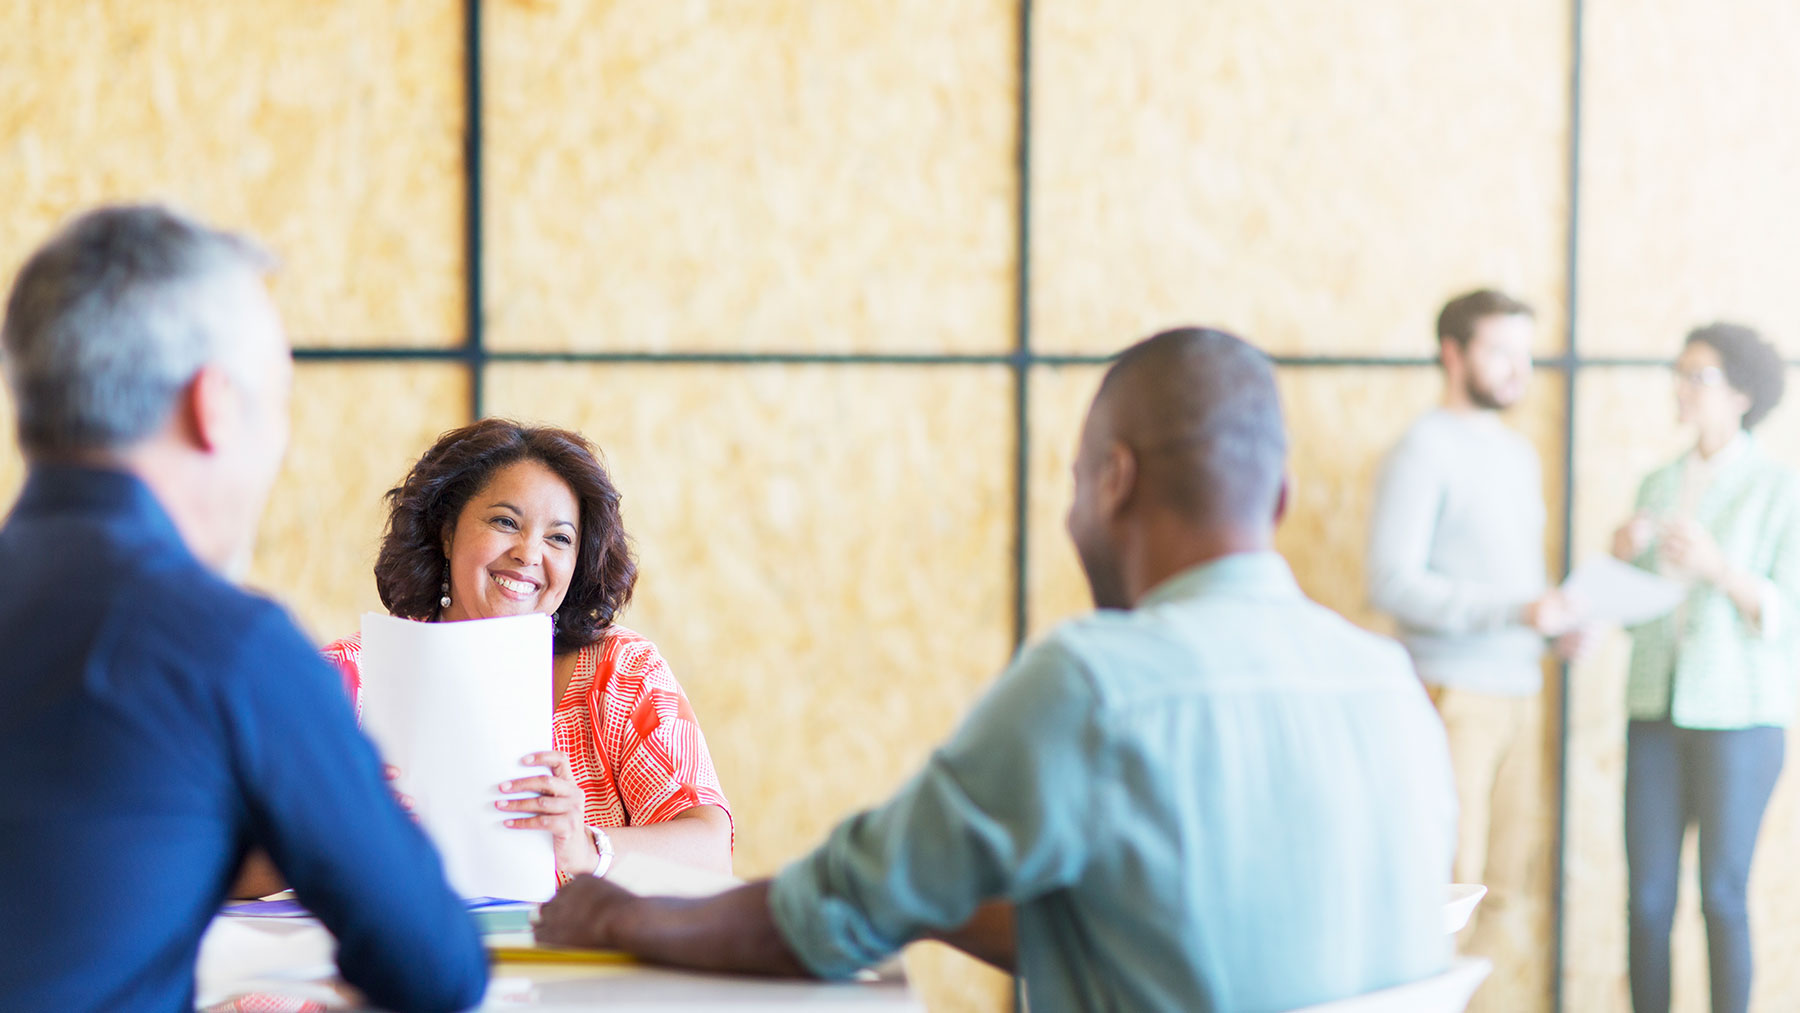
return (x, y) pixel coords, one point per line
(1210, 794)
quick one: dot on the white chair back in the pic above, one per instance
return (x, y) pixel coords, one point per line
(1459, 905)
(1448, 992)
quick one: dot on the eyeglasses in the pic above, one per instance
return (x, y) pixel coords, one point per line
(1706, 376)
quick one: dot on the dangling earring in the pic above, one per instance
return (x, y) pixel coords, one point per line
(552, 622)
(444, 602)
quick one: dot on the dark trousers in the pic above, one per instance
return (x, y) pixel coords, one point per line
(1720, 780)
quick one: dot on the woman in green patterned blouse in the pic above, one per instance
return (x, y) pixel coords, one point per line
(1712, 685)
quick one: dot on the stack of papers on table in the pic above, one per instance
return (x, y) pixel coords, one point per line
(287, 907)
(642, 875)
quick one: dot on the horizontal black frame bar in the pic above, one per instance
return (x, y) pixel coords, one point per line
(457, 354)
(761, 358)
(464, 355)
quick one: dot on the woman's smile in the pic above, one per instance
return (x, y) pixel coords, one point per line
(515, 587)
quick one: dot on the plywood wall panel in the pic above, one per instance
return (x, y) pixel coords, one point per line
(825, 562)
(1690, 207)
(330, 130)
(829, 549)
(12, 464)
(825, 558)
(1319, 175)
(1626, 429)
(781, 176)
(1341, 421)
(1060, 396)
(357, 428)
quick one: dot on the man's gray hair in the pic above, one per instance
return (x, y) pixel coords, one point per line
(111, 319)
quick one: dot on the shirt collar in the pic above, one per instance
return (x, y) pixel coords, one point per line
(52, 489)
(1727, 455)
(1243, 573)
(1480, 419)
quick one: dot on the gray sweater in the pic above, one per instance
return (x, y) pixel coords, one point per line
(1456, 551)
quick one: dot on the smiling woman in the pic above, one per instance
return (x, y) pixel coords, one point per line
(499, 519)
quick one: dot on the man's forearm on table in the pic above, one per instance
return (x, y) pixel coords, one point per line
(991, 936)
(733, 931)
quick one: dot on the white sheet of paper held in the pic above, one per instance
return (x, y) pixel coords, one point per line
(1618, 592)
(454, 706)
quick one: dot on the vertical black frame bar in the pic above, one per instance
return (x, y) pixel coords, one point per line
(475, 297)
(1572, 378)
(1022, 358)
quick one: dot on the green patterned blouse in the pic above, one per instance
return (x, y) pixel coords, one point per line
(1705, 665)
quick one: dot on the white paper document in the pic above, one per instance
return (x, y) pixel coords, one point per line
(454, 706)
(1618, 592)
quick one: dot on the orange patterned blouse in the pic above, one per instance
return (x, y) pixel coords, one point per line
(626, 726)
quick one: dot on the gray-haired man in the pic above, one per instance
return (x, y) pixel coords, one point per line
(156, 722)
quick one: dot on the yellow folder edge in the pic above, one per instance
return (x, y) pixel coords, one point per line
(556, 955)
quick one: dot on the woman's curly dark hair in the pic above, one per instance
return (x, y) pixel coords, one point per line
(409, 569)
(1751, 365)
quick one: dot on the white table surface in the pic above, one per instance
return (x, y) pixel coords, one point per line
(292, 958)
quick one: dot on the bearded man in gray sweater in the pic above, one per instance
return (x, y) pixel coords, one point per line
(1456, 557)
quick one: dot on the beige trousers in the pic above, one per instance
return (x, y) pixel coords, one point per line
(1496, 752)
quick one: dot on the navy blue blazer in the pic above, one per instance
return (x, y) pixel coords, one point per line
(156, 723)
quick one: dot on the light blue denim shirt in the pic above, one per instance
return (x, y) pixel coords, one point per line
(1229, 798)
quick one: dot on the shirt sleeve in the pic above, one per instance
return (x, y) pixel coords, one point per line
(317, 803)
(1779, 590)
(661, 765)
(1402, 584)
(1004, 809)
(1767, 623)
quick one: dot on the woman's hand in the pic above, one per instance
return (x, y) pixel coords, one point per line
(557, 808)
(1691, 547)
(1633, 537)
(1575, 645)
(392, 774)
(1554, 614)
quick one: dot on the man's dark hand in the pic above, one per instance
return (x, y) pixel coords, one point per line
(732, 931)
(583, 914)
